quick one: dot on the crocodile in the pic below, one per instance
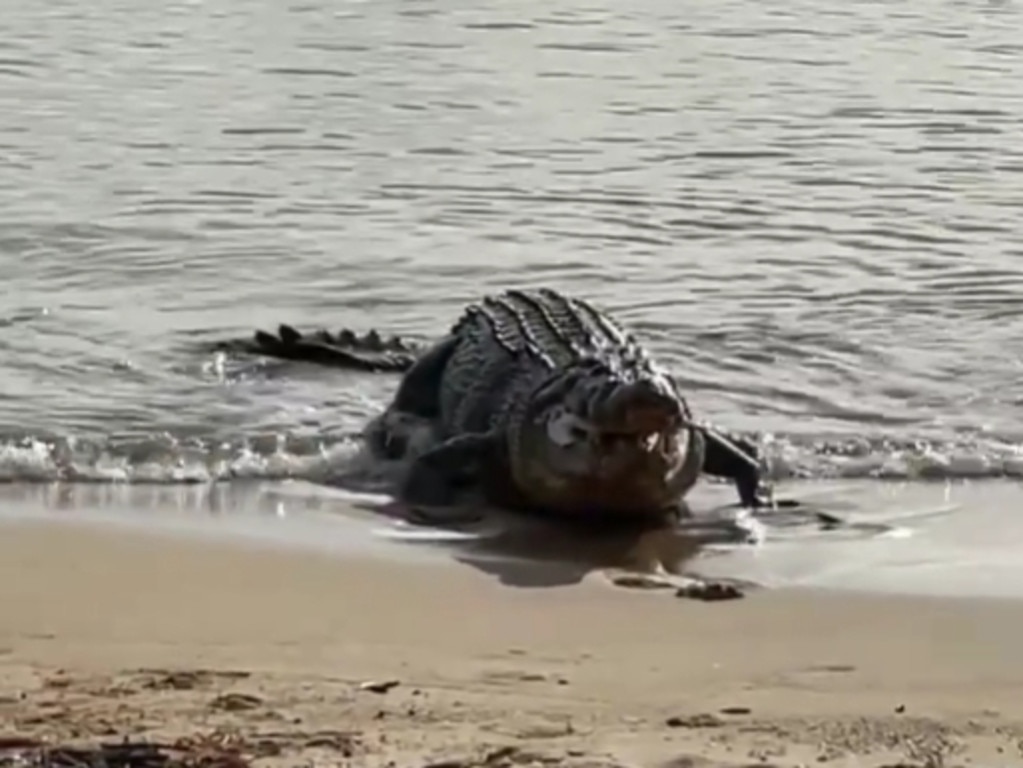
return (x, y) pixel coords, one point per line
(540, 402)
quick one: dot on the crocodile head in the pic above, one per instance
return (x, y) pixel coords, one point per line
(600, 441)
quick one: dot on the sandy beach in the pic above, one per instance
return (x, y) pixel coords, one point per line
(109, 633)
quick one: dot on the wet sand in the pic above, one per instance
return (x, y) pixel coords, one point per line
(110, 631)
(960, 539)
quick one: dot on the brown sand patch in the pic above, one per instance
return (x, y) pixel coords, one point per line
(224, 657)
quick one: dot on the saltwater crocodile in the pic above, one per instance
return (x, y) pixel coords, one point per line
(541, 402)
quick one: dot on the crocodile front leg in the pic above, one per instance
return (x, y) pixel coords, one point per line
(738, 460)
(435, 479)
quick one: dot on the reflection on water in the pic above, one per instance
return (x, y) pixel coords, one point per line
(524, 551)
(520, 551)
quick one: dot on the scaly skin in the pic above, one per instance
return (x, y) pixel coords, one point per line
(541, 403)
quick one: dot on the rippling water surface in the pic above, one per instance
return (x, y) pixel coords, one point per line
(811, 210)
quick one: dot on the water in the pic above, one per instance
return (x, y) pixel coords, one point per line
(810, 210)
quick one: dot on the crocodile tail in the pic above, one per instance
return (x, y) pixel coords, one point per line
(345, 349)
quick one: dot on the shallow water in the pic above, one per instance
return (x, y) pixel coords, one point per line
(810, 210)
(959, 539)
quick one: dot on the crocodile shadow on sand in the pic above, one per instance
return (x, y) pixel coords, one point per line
(528, 551)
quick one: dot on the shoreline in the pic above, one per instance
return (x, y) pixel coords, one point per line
(963, 540)
(107, 633)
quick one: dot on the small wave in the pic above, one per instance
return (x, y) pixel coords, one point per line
(889, 459)
(338, 460)
(164, 460)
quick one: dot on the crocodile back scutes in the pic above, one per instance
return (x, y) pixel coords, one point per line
(509, 343)
(550, 327)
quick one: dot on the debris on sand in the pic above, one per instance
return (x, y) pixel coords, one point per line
(379, 686)
(127, 754)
